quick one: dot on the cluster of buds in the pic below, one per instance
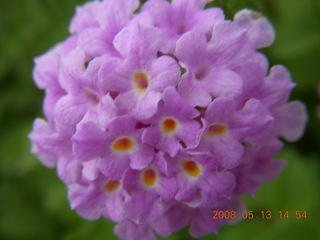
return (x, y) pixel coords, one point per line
(157, 117)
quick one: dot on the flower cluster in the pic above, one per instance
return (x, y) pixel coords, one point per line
(157, 117)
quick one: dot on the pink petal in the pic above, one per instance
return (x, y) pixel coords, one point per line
(291, 120)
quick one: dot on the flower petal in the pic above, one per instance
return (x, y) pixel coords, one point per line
(89, 142)
(259, 29)
(291, 120)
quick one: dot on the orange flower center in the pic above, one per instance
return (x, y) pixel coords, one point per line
(141, 81)
(149, 177)
(111, 186)
(216, 129)
(191, 168)
(169, 125)
(122, 144)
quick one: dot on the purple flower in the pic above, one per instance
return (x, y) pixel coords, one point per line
(173, 126)
(180, 17)
(118, 147)
(209, 64)
(156, 118)
(226, 129)
(99, 197)
(200, 182)
(86, 98)
(139, 76)
(150, 190)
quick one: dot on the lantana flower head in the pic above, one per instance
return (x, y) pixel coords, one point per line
(156, 117)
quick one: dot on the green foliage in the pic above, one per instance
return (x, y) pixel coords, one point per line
(33, 201)
(232, 6)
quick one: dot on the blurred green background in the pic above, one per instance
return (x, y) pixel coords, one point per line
(33, 201)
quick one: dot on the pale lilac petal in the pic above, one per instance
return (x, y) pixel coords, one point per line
(216, 111)
(204, 20)
(113, 76)
(216, 186)
(143, 207)
(259, 29)
(278, 86)
(186, 50)
(90, 169)
(48, 144)
(85, 17)
(144, 19)
(89, 142)
(45, 73)
(114, 208)
(69, 111)
(157, 9)
(193, 95)
(291, 120)
(114, 167)
(95, 43)
(50, 100)
(167, 188)
(170, 145)
(200, 226)
(86, 200)
(189, 134)
(252, 75)
(225, 83)
(72, 69)
(228, 44)
(164, 165)
(164, 72)
(228, 151)
(69, 169)
(186, 190)
(180, 109)
(254, 121)
(150, 136)
(175, 218)
(101, 112)
(262, 60)
(146, 107)
(141, 158)
(44, 142)
(130, 230)
(126, 101)
(131, 180)
(114, 14)
(139, 108)
(121, 125)
(136, 50)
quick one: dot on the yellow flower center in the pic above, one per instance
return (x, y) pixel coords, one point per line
(216, 129)
(149, 177)
(191, 168)
(111, 186)
(123, 144)
(141, 81)
(169, 125)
